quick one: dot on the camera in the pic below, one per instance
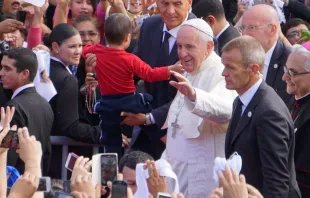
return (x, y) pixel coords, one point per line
(4, 46)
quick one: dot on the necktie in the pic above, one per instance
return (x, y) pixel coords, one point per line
(163, 55)
(236, 115)
(295, 109)
(165, 44)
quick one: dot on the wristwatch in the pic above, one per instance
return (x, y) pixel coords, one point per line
(148, 120)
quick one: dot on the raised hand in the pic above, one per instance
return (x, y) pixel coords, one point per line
(25, 186)
(83, 184)
(233, 185)
(184, 86)
(155, 182)
(81, 167)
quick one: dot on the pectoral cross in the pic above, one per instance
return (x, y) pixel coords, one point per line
(175, 126)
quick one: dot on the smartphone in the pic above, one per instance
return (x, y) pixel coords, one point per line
(44, 184)
(66, 186)
(163, 195)
(109, 167)
(62, 195)
(119, 189)
(21, 16)
(71, 159)
(10, 140)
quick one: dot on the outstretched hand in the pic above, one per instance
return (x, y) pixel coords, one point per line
(184, 86)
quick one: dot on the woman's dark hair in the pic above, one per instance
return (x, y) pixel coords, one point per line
(86, 18)
(293, 23)
(59, 34)
(116, 28)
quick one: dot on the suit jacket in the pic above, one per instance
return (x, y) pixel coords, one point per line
(65, 107)
(5, 94)
(229, 34)
(276, 71)
(264, 138)
(231, 8)
(302, 148)
(298, 9)
(34, 112)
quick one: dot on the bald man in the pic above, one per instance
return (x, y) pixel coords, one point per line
(262, 23)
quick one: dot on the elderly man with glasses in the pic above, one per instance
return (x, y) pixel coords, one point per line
(297, 78)
(262, 23)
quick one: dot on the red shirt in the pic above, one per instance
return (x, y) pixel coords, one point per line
(115, 69)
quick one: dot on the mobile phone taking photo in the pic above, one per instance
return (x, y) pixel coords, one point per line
(72, 157)
(119, 189)
(108, 168)
(10, 140)
(44, 184)
(21, 16)
(163, 195)
(63, 195)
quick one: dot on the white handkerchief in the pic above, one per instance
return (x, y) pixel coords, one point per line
(234, 162)
(164, 169)
(38, 3)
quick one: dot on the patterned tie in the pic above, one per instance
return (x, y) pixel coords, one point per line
(295, 109)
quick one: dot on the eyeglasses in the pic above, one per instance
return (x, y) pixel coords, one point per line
(88, 33)
(251, 28)
(293, 73)
(294, 34)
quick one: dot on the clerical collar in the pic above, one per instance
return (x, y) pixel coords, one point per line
(303, 98)
(20, 89)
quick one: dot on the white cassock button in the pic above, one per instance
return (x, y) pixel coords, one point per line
(249, 114)
(275, 66)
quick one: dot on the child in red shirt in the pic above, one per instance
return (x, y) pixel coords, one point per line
(115, 72)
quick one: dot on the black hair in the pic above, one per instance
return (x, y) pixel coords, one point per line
(293, 23)
(133, 158)
(60, 33)
(205, 8)
(116, 28)
(86, 18)
(24, 59)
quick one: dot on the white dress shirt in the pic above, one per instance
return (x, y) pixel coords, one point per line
(223, 30)
(268, 59)
(56, 59)
(17, 91)
(173, 32)
(248, 95)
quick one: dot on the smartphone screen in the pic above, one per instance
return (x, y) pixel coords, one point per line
(108, 168)
(44, 184)
(21, 16)
(119, 189)
(10, 140)
(72, 157)
(62, 195)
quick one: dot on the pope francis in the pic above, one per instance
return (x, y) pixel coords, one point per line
(199, 115)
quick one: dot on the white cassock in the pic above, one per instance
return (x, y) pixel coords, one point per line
(202, 125)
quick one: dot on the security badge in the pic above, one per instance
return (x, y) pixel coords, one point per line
(249, 114)
(275, 66)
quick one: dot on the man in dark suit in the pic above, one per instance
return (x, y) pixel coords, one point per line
(157, 47)
(297, 75)
(261, 128)
(254, 24)
(212, 12)
(19, 67)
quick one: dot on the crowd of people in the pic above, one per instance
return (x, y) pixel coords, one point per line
(186, 81)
